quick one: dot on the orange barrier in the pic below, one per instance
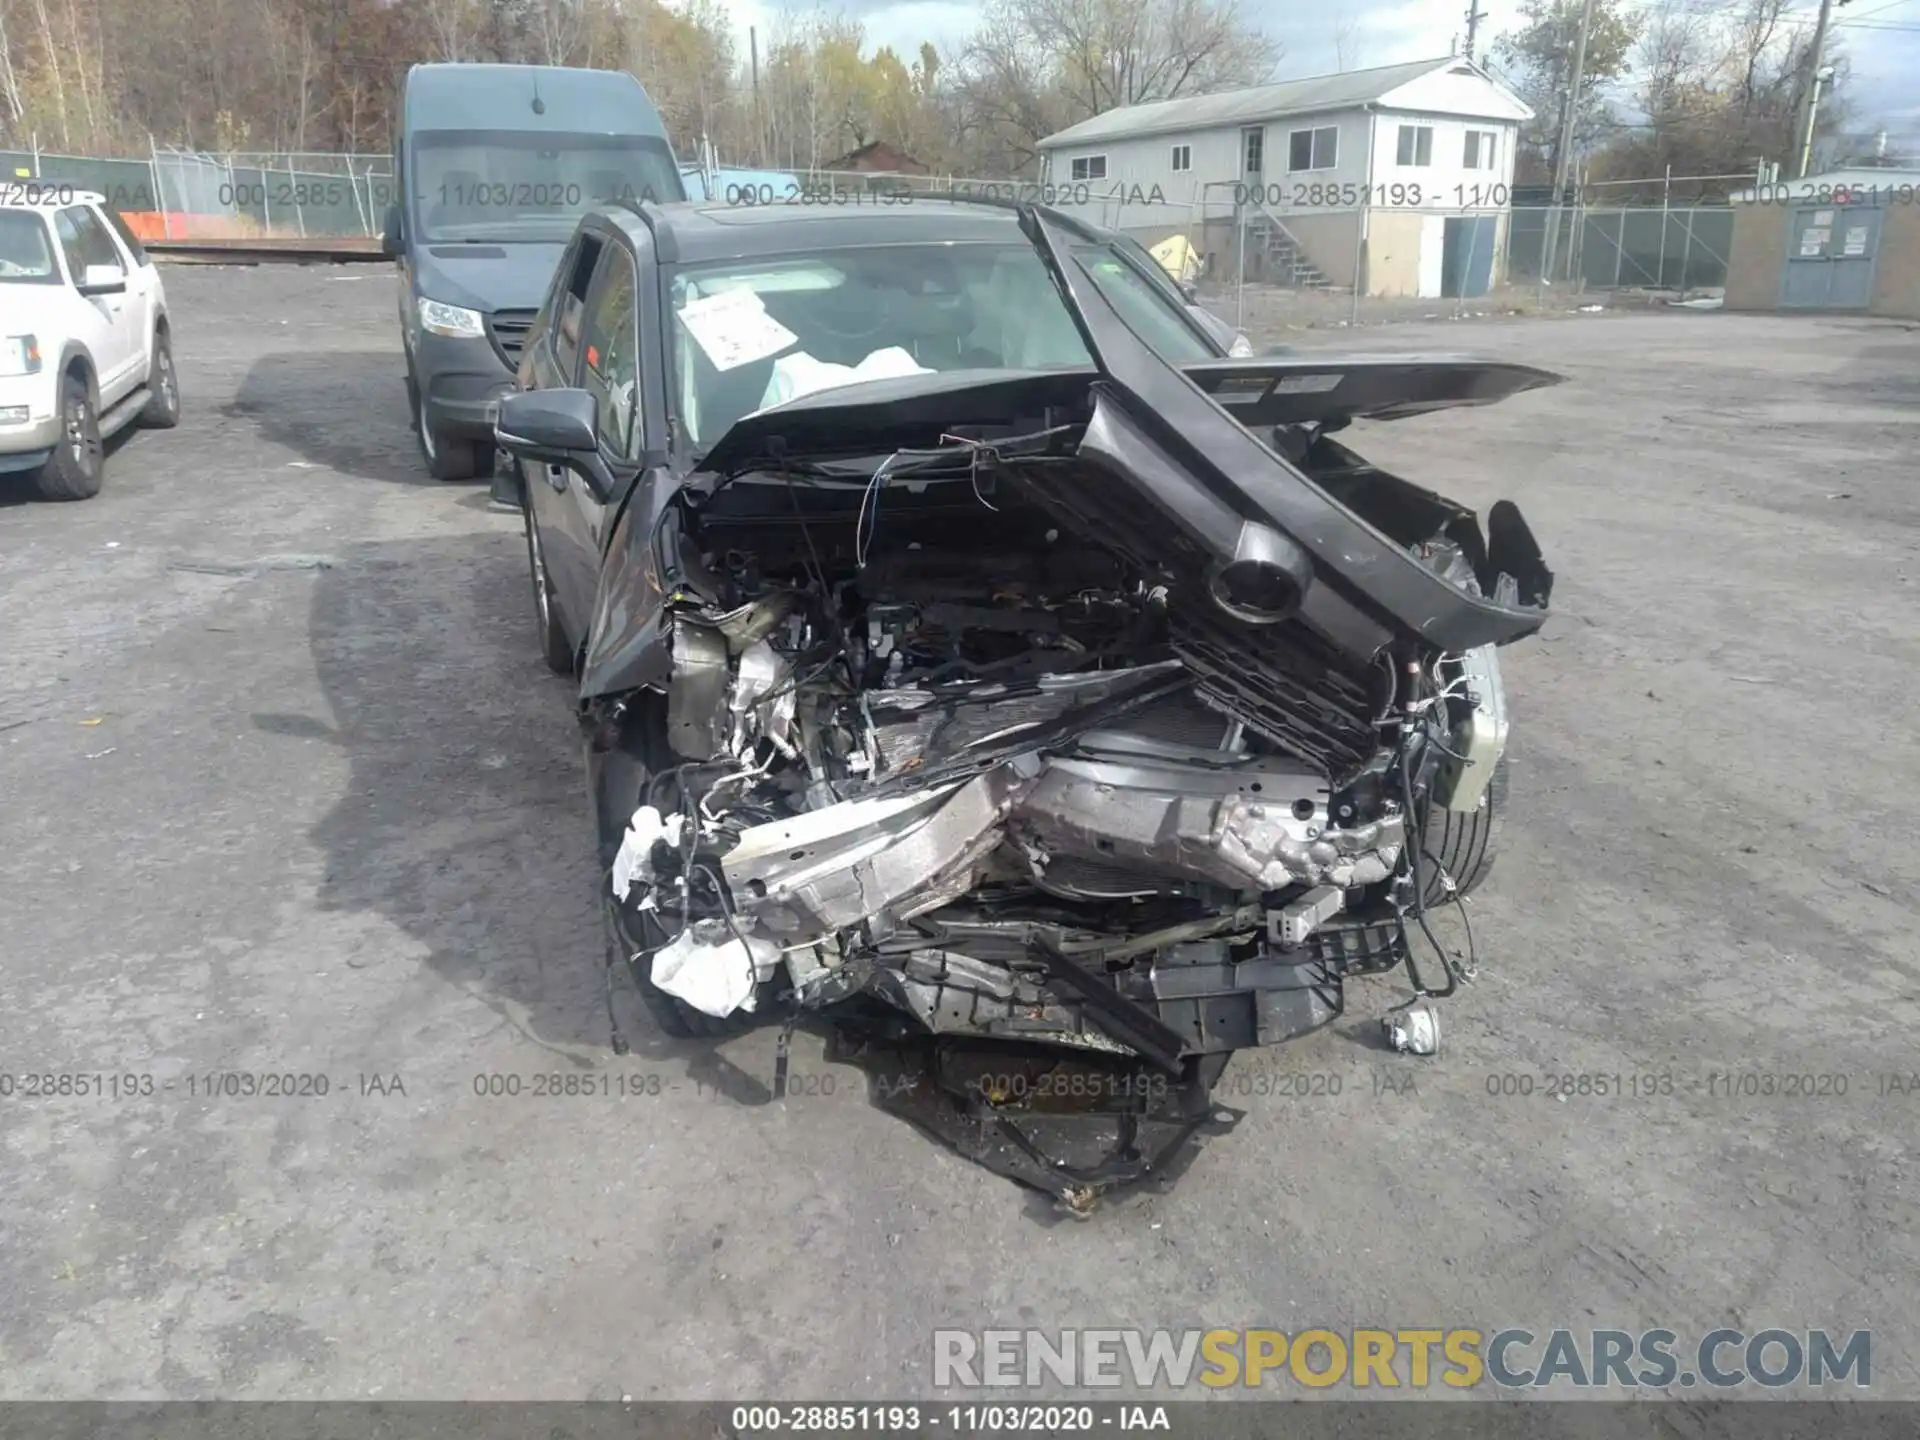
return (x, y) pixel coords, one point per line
(158, 225)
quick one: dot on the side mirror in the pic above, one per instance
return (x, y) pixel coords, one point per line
(391, 239)
(548, 427)
(555, 427)
(103, 280)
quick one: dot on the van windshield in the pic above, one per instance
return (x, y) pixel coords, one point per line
(521, 185)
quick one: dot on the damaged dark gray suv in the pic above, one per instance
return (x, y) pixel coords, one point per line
(969, 646)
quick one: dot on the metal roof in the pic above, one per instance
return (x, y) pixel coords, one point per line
(1260, 102)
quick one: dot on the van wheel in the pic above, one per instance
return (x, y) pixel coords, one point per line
(449, 457)
(74, 471)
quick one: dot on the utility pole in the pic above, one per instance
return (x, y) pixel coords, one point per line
(1474, 16)
(1563, 153)
(1816, 57)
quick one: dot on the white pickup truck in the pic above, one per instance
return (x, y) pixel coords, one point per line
(85, 348)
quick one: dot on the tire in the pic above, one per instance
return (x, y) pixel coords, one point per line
(618, 788)
(673, 1015)
(555, 648)
(1463, 846)
(74, 472)
(162, 410)
(448, 457)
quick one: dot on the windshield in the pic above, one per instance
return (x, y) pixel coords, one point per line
(520, 185)
(1145, 304)
(751, 335)
(26, 250)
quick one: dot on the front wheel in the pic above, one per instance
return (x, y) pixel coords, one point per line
(672, 1014)
(74, 470)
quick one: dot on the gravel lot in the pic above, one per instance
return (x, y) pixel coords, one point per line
(287, 790)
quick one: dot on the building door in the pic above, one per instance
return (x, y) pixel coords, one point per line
(1831, 252)
(1253, 144)
(1467, 255)
(1430, 277)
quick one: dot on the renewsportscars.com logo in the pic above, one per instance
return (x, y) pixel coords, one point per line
(1376, 1359)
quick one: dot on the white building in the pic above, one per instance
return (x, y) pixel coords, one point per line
(1400, 174)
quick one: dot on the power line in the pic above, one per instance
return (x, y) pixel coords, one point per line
(1890, 5)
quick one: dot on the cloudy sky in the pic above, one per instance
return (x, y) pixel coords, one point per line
(1886, 61)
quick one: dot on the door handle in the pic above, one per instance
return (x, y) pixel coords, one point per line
(557, 477)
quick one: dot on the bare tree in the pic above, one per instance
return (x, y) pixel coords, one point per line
(50, 54)
(10, 76)
(1346, 39)
(1720, 89)
(1036, 66)
(453, 25)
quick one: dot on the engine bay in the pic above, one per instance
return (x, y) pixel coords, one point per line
(927, 745)
(1083, 722)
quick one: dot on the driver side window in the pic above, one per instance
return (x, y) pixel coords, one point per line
(609, 349)
(86, 242)
(70, 245)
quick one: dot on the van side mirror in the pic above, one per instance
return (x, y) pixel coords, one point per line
(392, 238)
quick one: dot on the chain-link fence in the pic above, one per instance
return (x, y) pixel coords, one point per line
(309, 196)
(194, 195)
(1263, 265)
(1308, 265)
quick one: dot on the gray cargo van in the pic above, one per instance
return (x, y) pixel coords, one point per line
(493, 167)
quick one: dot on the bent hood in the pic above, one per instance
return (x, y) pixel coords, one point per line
(1161, 464)
(488, 275)
(1256, 393)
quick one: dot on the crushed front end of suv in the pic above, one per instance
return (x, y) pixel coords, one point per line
(981, 655)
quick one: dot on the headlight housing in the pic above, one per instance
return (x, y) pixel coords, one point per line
(19, 355)
(439, 318)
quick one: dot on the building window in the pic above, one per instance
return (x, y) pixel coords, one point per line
(1314, 149)
(1182, 157)
(1090, 167)
(1416, 145)
(1253, 142)
(1480, 150)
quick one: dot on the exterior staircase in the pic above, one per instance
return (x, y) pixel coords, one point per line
(1283, 260)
